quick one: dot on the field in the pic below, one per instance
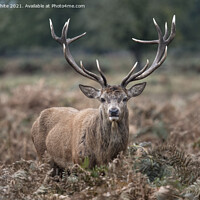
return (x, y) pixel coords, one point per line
(162, 161)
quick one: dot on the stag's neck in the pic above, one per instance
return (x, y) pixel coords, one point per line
(112, 136)
(111, 128)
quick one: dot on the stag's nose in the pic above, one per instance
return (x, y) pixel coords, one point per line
(114, 112)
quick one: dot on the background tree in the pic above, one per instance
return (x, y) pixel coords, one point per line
(114, 24)
(110, 25)
(21, 28)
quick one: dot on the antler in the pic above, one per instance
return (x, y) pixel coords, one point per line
(163, 41)
(64, 41)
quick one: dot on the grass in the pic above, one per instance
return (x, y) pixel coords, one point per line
(158, 83)
(163, 147)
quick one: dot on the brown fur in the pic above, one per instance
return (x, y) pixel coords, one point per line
(71, 135)
(114, 89)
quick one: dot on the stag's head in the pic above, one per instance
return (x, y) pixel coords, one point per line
(114, 98)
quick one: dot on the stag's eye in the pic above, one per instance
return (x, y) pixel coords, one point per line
(102, 100)
(125, 99)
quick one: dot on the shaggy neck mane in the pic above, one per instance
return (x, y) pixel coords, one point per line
(113, 136)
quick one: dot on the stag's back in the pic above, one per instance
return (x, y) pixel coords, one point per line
(60, 132)
(54, 123)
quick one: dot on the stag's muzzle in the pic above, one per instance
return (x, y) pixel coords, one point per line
(113, 114)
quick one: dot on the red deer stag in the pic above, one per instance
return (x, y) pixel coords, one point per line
(70, 135)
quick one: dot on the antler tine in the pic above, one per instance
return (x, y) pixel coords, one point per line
(158, 30)
(54, 36)
(166, 31)
(152, 69)
(101, 73)
(131, 78)
(173, 30)
(65, 31)
(123, 84)
(163, 58)
(103, 83)
(161, 54)
(88, 72)
(64, 41)
(75, 38)
(145, 41)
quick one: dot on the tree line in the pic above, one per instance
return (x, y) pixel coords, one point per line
(110, 25)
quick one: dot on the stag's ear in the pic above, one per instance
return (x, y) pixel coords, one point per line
(136, 90)
(90, 92)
